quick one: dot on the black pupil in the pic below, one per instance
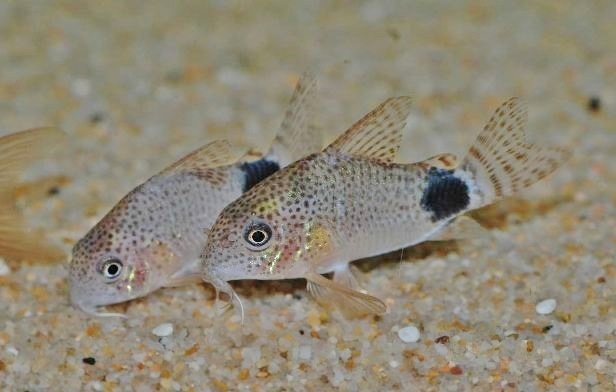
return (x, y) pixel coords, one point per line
(258, 236)
(113, 269)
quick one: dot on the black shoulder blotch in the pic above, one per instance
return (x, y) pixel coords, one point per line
(445, 194)
(257, 171)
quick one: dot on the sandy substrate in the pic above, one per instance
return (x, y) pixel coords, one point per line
(136, 86)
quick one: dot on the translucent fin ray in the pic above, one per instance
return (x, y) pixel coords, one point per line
(212, 155)
(298, 135)
(18, 151)
(501, 159)
(346, 277)
(349, 301)
(378, 134)
(442, 161)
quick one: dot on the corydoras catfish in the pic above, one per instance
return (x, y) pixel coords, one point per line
(17, 152)
(351, 201)
(153, 237)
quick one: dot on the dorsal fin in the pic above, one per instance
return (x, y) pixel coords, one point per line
(298, 135)
(212, 155)
(442, 161)
(378, 134)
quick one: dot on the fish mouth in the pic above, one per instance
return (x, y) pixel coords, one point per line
(92, 309)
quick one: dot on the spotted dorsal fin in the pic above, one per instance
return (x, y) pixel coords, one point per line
(212, 155)
(378, 134)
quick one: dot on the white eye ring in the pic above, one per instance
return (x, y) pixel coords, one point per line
(258, 235)
(112, 269)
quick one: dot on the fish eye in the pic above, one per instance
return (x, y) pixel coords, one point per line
(112, 269)
(258, 235)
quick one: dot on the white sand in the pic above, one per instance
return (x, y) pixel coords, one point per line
(136, 86)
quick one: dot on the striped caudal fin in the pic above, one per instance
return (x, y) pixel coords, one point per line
(501, 159)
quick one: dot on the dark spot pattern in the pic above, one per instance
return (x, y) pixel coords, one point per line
(445, 194)
(163, 217)
(594, 103)
(257, 171)
(315, 206)
(89, 360)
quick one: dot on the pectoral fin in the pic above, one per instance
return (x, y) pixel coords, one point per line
(346, 299)
(345, 276)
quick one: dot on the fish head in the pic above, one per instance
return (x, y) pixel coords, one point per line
(270, 232)
(119, 259)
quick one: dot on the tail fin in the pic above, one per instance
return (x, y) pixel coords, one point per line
(502, 161)
(297, 136)
(17, 151)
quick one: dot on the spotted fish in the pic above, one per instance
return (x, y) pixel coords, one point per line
(153, 237)
(351, 201)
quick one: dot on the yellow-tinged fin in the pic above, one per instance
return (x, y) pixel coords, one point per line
(20, 149)
(18, 243)
(442, 161)
(378, 134)
(202, 160)
(349, 301)
(501, 159)
(298, 135)
(40, 189)
(460, 228)
(17, 151)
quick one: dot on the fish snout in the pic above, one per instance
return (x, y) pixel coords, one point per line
(77, 299)
(88, 307)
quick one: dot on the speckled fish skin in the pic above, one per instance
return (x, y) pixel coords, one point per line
(152, 232)
(351, 201)
(153, 237)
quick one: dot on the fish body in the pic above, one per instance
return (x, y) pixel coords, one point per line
(153, 237)
(17, 152)
(351, 201)
(154, 233)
